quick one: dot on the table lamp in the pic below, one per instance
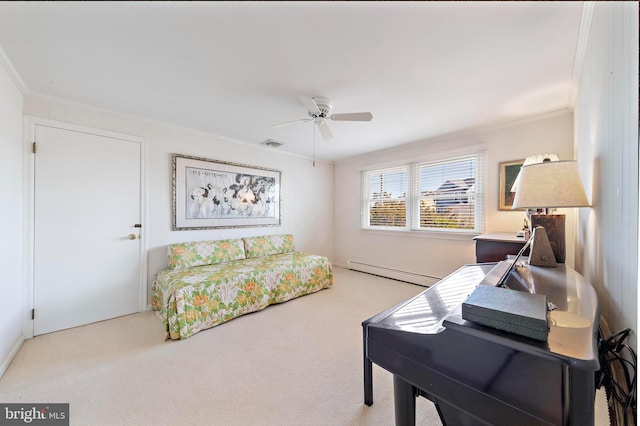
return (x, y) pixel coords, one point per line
(547, 185)
(534, 159)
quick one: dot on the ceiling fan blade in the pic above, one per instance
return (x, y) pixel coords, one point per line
(352, 116)
(310, 104)
(325, 131)
(286, 123)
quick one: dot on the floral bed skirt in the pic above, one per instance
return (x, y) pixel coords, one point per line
(194, 299)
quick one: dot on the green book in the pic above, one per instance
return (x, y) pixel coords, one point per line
(508, 310)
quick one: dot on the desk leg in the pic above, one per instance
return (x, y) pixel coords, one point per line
(368, 375)
(404, 395)
(368, 382)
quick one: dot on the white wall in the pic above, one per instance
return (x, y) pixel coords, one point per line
(307, 200)
(606, 139)
(429, 254)
(12, 312)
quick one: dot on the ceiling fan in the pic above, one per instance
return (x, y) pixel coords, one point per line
(319, 110)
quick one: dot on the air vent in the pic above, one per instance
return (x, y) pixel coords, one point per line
(272, 143)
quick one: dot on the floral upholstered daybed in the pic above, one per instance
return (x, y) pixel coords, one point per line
(211, 282)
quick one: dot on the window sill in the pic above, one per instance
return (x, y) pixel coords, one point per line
(435, 235)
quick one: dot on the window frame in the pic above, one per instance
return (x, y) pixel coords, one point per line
(413, 195)
(367, 201)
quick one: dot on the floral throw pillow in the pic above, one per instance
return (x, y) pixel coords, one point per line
(199, 253)
(268, 245)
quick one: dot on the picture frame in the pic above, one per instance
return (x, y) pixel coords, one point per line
(210, 194)
(508, 173)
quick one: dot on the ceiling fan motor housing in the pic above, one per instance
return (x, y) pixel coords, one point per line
(324, 105)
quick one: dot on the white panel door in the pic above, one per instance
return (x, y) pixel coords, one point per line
(87, 202)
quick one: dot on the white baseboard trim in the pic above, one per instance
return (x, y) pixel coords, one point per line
(6, 361)
(395, 274)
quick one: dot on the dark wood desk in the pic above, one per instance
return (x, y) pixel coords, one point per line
(478, 375)
(495, 247)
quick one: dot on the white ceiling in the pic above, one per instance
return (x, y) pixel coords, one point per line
(234, 69)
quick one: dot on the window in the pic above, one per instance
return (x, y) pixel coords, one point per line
(444, 195)
(386, 197)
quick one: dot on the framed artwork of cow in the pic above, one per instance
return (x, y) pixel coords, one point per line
(211, 194)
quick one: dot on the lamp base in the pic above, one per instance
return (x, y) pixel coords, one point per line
(541, 253)
(554, 225)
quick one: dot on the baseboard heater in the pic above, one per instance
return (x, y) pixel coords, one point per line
(394, 274)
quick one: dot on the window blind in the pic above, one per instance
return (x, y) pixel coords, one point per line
(448, 194)
(443, 195)
(385, 197)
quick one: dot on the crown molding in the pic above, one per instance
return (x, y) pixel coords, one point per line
(7, 65)
(156, 123)
(470, 131)
(581, 48)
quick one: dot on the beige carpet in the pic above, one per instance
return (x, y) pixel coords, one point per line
(291, 364)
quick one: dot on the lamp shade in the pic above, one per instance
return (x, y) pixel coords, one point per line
(550, 184)
(534, 159)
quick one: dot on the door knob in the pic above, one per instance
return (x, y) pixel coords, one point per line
(132, 236)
